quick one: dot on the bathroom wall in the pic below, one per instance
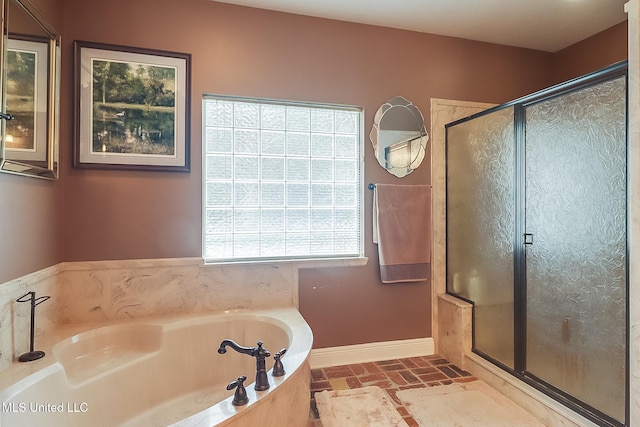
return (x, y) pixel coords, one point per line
(29, 208)
(244, 51)
(113, 215)
(251, 52)
(593, 53)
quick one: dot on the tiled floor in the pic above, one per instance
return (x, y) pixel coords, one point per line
(390, 375)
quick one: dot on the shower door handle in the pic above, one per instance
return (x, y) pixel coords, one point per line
(528, 239)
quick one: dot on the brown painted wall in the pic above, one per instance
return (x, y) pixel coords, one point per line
(244, 51)
(250, 52)
(29, 238)
(591, 54)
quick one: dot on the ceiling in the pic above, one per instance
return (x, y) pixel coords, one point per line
(548, 25)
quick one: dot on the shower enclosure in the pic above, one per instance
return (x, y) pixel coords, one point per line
(537, 239)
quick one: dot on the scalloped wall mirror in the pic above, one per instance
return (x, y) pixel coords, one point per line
(399, 136)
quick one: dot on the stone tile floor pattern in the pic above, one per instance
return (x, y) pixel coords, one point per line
(390, 375)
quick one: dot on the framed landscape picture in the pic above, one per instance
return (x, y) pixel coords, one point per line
(132, 108)
(26, 100)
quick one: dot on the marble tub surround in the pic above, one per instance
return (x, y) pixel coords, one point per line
(291, 394)
(108, 290)
(105, 291)
(15, 317)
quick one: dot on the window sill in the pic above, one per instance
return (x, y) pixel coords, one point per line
(300, 263)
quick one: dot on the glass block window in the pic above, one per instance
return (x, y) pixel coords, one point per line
(281, 180)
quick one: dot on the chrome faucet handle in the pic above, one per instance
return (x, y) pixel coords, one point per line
(240, 397)
(278, 367)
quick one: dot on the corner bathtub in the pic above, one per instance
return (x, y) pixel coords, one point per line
(162, 372)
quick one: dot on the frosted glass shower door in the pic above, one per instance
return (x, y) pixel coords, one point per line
(480, 224)
(575, 166)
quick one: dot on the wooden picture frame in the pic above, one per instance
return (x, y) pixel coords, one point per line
(132, 108)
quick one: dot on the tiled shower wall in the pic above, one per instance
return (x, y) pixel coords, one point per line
(104, 291)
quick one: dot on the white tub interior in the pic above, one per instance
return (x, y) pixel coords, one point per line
(152, 372)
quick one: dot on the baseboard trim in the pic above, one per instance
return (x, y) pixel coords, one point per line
(370, 352)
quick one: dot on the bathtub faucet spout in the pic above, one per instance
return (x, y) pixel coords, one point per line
(240, 349)
(259, 352)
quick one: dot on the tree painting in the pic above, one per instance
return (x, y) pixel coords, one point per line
(21, 99)
(133, 108)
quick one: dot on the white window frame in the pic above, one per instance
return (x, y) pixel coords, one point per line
(357, 255)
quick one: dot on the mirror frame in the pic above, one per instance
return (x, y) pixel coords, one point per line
(401, 105)
(47, 169)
